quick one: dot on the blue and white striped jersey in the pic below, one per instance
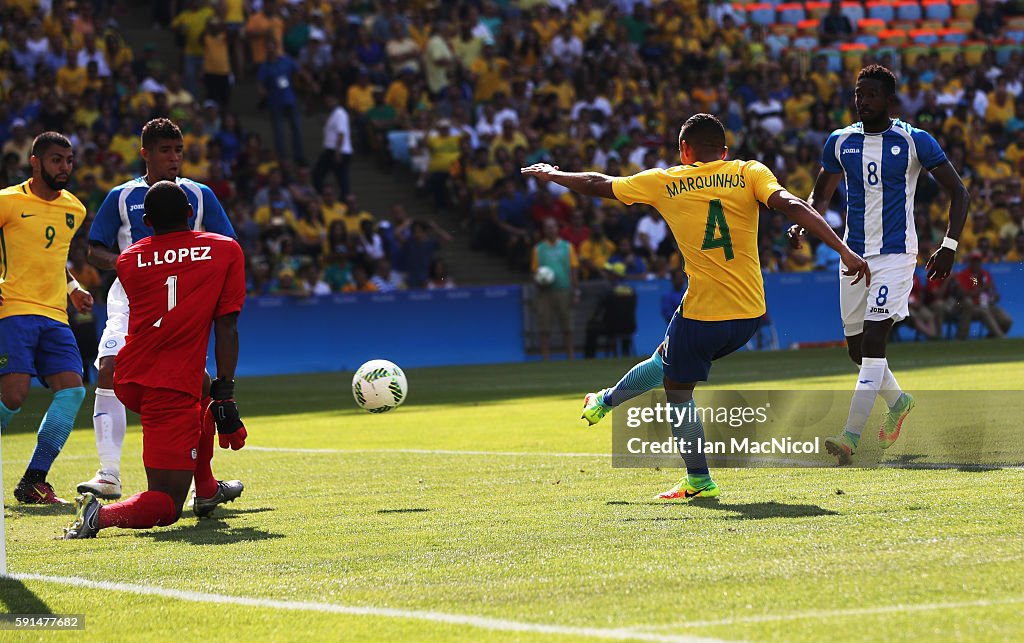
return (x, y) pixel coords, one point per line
(881, 183)
(118, 222)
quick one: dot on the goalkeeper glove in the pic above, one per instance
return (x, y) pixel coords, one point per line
(230, 429)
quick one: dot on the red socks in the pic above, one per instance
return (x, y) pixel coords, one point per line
(141, 511)
(206, 484)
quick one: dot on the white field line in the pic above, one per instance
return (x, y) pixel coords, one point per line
(430, 452)
(840, 613)
(480, 622)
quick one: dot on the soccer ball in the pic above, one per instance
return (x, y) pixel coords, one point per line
(379, 386)
(544, 276)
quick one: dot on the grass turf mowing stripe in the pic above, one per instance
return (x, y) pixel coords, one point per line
(840, 613)
(481, 622)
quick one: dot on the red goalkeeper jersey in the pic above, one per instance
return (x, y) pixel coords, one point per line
(177, 284)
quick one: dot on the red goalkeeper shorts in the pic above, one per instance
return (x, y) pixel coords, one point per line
(171, 425)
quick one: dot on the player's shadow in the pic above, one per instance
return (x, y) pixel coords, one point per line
(41, 510)
(212, 531)
(743, 511)
(911, 461)
(407, 510)
(18, 599)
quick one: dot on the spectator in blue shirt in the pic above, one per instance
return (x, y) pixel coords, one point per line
(826, 258)
(277, 82)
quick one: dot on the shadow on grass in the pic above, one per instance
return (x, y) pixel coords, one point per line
(744, 511)
(410, 510)
(19, 510)
(18, 599)
(210, 531)
(911, 461)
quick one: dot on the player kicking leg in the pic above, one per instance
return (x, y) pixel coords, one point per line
(644, 376)
(175, 303)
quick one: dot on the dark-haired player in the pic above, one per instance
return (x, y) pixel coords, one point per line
(881, 159)
(38, 219)
(711, 206)
(117, 225)
(180, 282)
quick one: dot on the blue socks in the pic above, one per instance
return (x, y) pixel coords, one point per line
(687, 426)
(56, 427)
(643, 377)
(5, 416)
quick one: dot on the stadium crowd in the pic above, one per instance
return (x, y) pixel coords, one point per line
(465, 93)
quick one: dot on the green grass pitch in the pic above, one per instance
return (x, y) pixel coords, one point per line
(484, 509)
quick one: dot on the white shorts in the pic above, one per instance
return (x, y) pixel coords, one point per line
(112, 340)
(888, 297)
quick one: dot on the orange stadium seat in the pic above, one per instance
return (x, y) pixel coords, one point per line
(893, 37)
(961, 23)
(881, 11)
(953, 36)
(810, 26)
(924, 36)
(791, 12)
(870, 25)
(966, 9)
(784, 29)
(817, 9)
(937, 10)
(761, 13)
(854, 11)
(909, 10)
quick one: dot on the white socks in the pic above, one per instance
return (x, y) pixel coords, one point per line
(110, 423)
(890, 390)
(869, 382)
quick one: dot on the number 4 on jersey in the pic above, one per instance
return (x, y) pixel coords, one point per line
(172, 296)
(716, 234)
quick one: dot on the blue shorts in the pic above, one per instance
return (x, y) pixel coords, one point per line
(691, 345)
(38, 346)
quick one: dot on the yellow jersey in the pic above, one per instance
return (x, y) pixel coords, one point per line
(712, 210)
(34, 239)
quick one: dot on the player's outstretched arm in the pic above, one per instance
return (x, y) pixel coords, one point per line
(807, 218)
(586, 183)
(101, 256)
(224, 408)
(940, 264)
(825, 185)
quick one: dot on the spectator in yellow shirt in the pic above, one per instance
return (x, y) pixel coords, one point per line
(1000, 105)
(331, 209)
(191, 24)
(594, 252)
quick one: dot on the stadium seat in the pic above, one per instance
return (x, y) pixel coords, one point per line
(790, 12)
(740, 13)
(870, 25)
(964, 24)
(881, 11)
(817, 9)
(912, 52)
(934, 25)
(947, 52)
(924, 37)
(937, 10)
(1004, 52)
(777, 43)
(867, 39)
(974, 51)
(809, 27)
(833, 57)
(1016, 36)
(953, 36)
(782, 29)
(854, 11)
(893, 37)
(761, 13)
(806, 43)
(1015, 23)
(853, 55)
(966, 9)
(908, 11)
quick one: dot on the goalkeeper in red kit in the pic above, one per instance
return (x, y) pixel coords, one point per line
(179, 283)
